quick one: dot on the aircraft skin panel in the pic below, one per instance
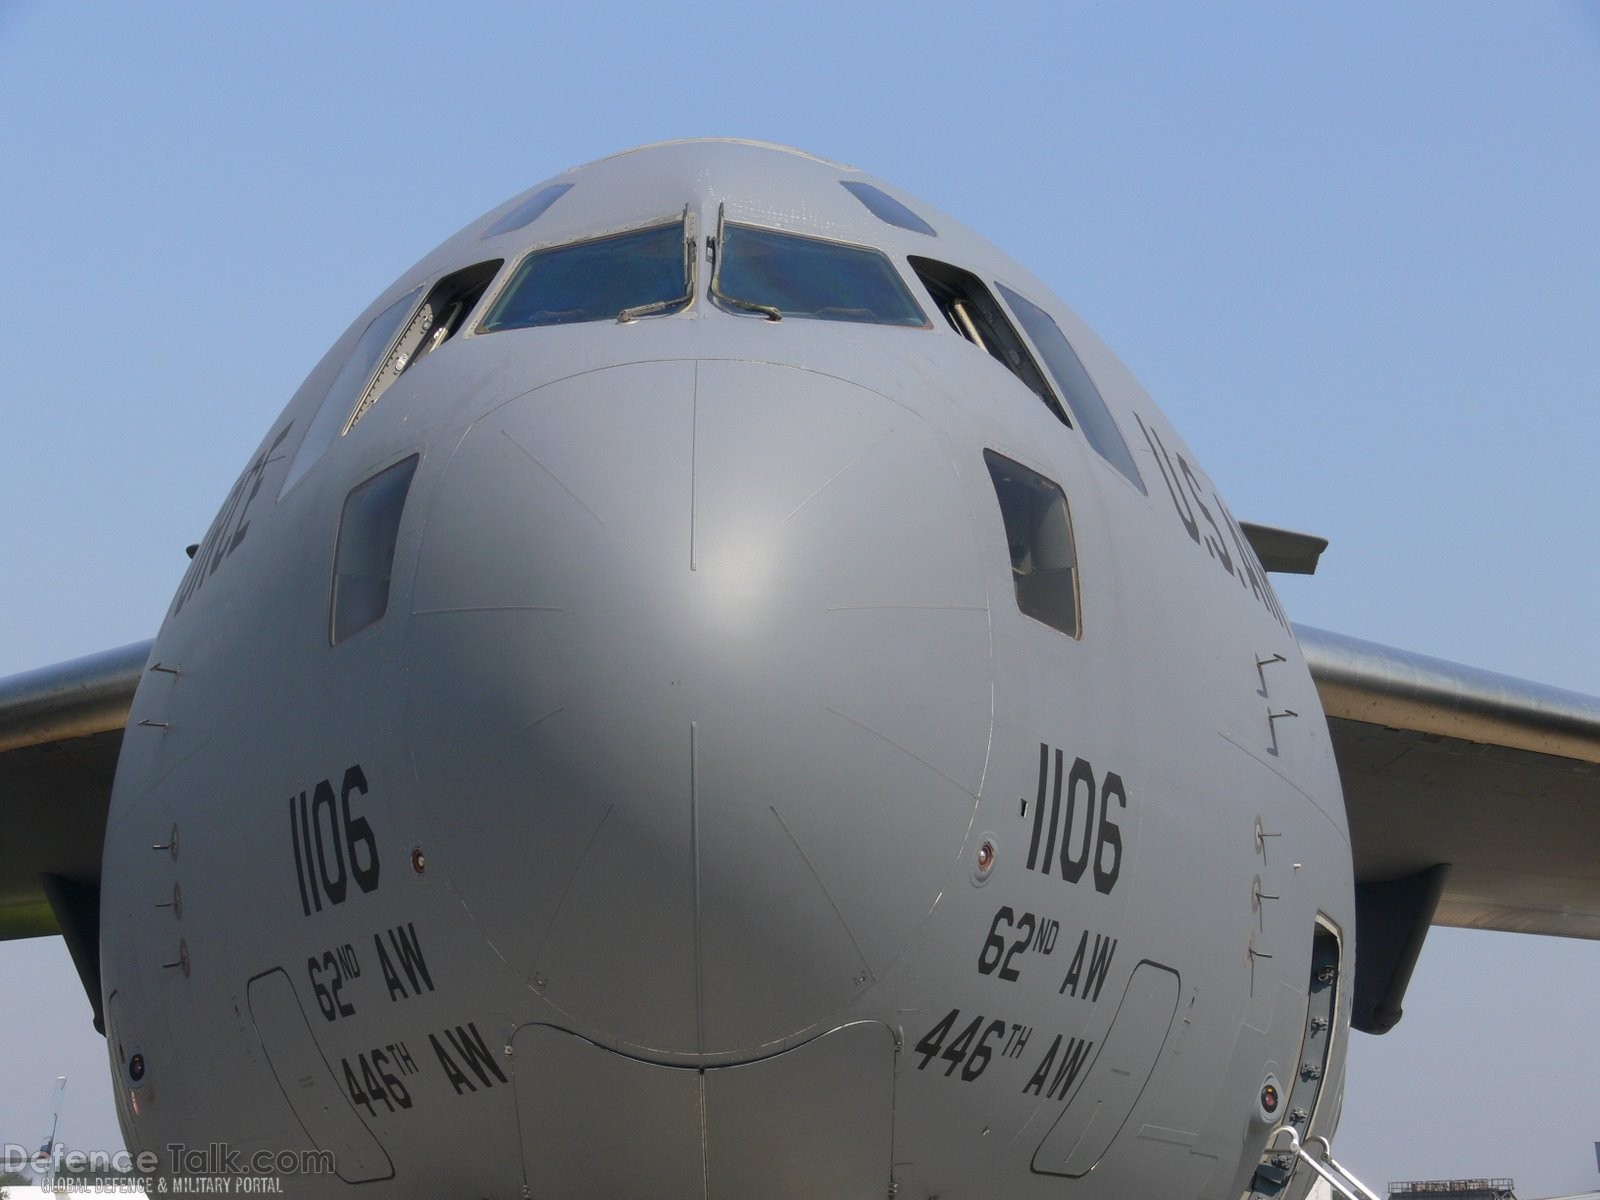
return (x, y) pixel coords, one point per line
(1497, 777)
(60, 734)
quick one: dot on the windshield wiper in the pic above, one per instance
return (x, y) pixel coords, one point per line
(691, 265)
(717, 293)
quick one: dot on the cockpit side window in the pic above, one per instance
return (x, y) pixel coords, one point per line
(435, 322)
(387, 348)
(1081, 395)
(783, 274)
(602, 279)
(1044, 559)
(972, 312)
(348, 386)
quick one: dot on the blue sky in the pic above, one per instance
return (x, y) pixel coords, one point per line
(1351, 251)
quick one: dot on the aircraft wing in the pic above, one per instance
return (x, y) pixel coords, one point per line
(1498, 777)
(1473, 798)
(60, 732)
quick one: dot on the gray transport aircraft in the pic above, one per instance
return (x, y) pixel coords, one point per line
(720, 685)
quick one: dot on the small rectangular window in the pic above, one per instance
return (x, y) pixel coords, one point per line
(364, 561)
(1044, 560)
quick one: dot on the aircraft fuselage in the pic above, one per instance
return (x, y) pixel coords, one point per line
(620, 760)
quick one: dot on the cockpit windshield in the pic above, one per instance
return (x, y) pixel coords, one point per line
(787, 275)
(627, 275)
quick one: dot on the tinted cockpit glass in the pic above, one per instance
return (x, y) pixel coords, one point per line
(364, 560)
(595, 280)
(1044, 561)
(886, 208)
(348, 385)
(529, 211)
(1081, 394)
(809, 277)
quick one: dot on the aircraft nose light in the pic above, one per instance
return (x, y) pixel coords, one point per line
(1270, 1096)
(700, 676)
(983, 862)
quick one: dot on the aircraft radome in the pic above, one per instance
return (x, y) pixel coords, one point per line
(718, 684)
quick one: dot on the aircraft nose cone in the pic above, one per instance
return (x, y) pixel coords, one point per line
(700, 694)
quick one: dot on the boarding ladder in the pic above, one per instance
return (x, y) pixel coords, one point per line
(1338, 1177)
